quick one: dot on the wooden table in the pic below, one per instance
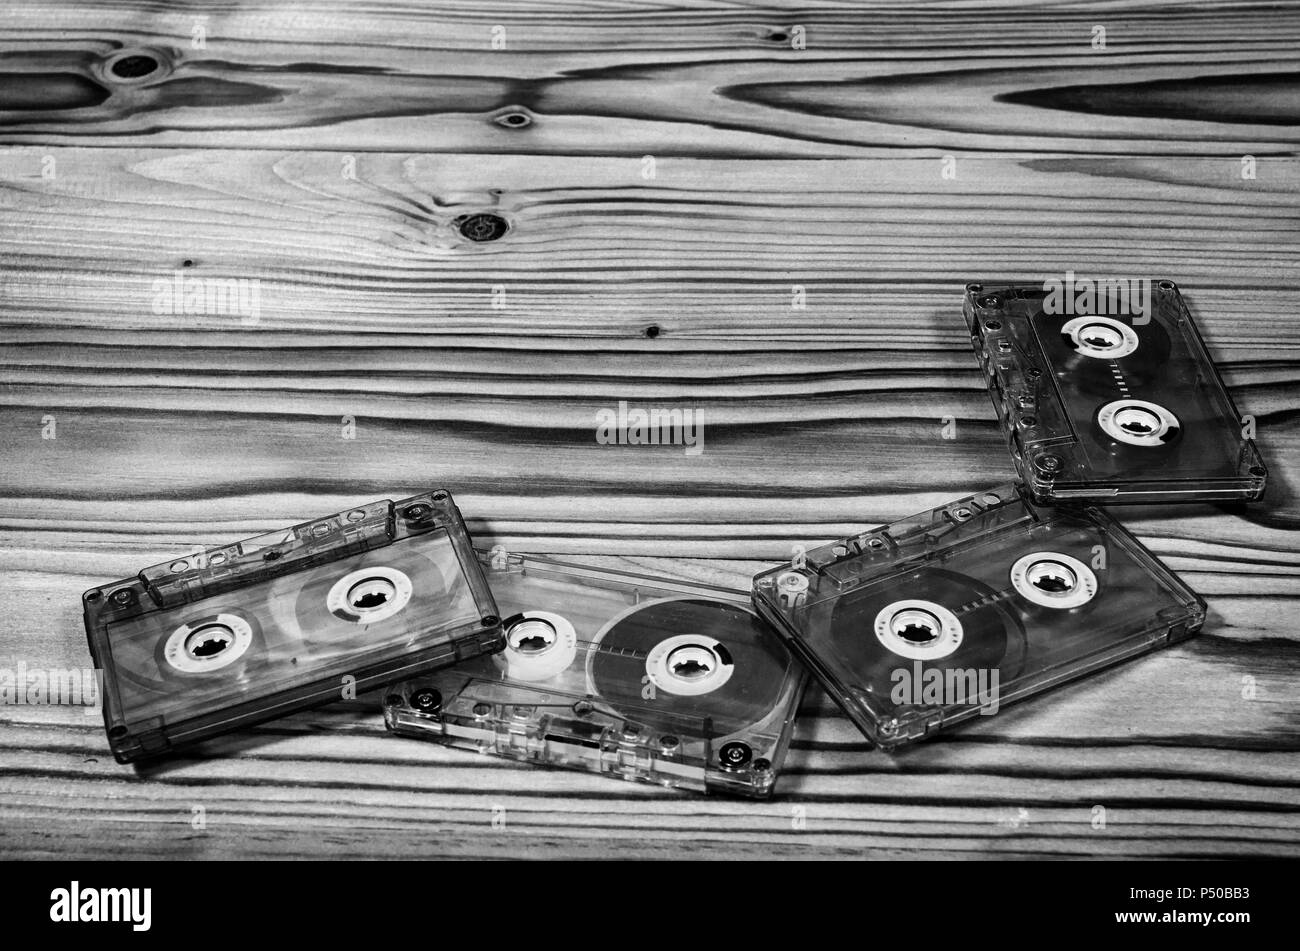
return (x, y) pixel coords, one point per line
(676, 181)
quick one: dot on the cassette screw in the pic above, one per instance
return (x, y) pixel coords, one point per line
(1028, 421)
(583, 707)
(669, 742)
(123, 596)
(734, 755)
(426, 699)
(481, 710)
(992, 301)
(417, 511)
(631, 730)
(762, 765)
(1048, 463)
(490, 620)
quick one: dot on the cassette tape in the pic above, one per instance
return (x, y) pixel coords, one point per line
(1110, 395)
(641, 678)
(933, 620)
(211, 642)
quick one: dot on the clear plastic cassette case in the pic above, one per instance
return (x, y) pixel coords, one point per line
(1107, 393)
(642, 678)
(242, 633)
(954, 613)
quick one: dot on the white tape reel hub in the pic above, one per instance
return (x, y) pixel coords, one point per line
(539, 645)
(689, 665)
(1101, 338)
(200, 647)
(1053, 580)
(368, 595)
(918, 630)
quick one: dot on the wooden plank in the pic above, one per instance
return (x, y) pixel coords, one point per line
(323, 153)
(705, 248)
(856, 389)
(708, 79)
(1181, 762)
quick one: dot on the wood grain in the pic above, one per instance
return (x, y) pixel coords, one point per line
(703, 79)
(327, 151)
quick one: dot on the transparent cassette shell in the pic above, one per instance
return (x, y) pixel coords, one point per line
(730, 736)
(1033, 596)
(1120, 405)
(210, 642)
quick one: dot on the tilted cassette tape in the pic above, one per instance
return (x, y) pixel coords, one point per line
(1107, 393)
(641, 678)
(211, 642)
(936, 619)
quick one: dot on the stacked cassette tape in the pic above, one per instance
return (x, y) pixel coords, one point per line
(1105, 396)
(245, 632)
(641, 678)
(1110, 397)
(938, 618)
